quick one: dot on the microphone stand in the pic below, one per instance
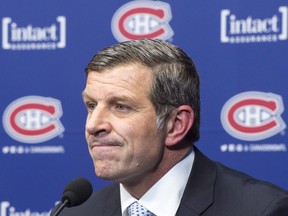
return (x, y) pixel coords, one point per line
(61, 207)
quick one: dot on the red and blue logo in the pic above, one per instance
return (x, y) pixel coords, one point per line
(33, 119)
(253, 116)
(142, 19)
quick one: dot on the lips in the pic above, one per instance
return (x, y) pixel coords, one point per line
(103, 150)
(103, 143)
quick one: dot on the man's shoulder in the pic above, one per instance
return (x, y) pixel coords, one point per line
(226, 191)
(248, 193)
(229, 176)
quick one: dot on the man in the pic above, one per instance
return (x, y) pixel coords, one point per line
(143, 117)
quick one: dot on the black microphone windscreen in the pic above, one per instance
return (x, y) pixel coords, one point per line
(77, 192)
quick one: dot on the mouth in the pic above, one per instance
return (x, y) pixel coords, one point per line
(104, 149)
(103, 143)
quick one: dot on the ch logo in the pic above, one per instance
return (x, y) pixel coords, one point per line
(33, 119)
(142, 19)
(253, 116)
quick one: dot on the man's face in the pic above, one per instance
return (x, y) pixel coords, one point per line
(121, 132)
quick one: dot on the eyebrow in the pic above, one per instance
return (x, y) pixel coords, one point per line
(86, 96)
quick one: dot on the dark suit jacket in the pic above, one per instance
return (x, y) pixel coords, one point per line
(212, 190)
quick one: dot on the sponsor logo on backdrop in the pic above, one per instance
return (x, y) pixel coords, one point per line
(253, 116)
(17, 36)
(6, 209)
(33, 120)
(142, 19)
(252, 29)
(254, 147)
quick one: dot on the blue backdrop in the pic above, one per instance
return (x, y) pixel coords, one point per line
(239, 47)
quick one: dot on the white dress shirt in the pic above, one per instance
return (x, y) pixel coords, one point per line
(163, 198)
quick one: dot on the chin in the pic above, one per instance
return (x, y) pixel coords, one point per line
(103, 174)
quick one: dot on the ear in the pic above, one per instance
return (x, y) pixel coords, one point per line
(178, 124)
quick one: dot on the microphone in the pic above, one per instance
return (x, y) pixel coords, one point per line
(75, 193)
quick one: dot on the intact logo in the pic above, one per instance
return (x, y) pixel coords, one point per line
(253, 116)
(142, 19)
(33, 119)
(16, 36)
(7, 209)
(253, 29)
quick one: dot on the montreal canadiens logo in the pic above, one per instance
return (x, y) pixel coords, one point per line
(142, 19)
(33, 119)
(253, 116)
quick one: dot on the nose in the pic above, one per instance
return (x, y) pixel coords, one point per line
(97, 122)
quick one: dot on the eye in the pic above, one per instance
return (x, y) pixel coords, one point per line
(90, 106)
(122, 107)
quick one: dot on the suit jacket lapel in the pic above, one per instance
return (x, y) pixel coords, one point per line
(112, 203)
(198, 194)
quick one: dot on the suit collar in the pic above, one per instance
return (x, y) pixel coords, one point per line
(198, 195)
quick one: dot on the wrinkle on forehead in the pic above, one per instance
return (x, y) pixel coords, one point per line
(134, 75)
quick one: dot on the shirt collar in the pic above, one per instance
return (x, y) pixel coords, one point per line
(173, 182)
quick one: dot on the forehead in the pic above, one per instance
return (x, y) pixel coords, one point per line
(133, 78)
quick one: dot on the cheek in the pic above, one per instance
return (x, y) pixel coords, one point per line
(86, 135)
(148, 142)
(146, 132)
